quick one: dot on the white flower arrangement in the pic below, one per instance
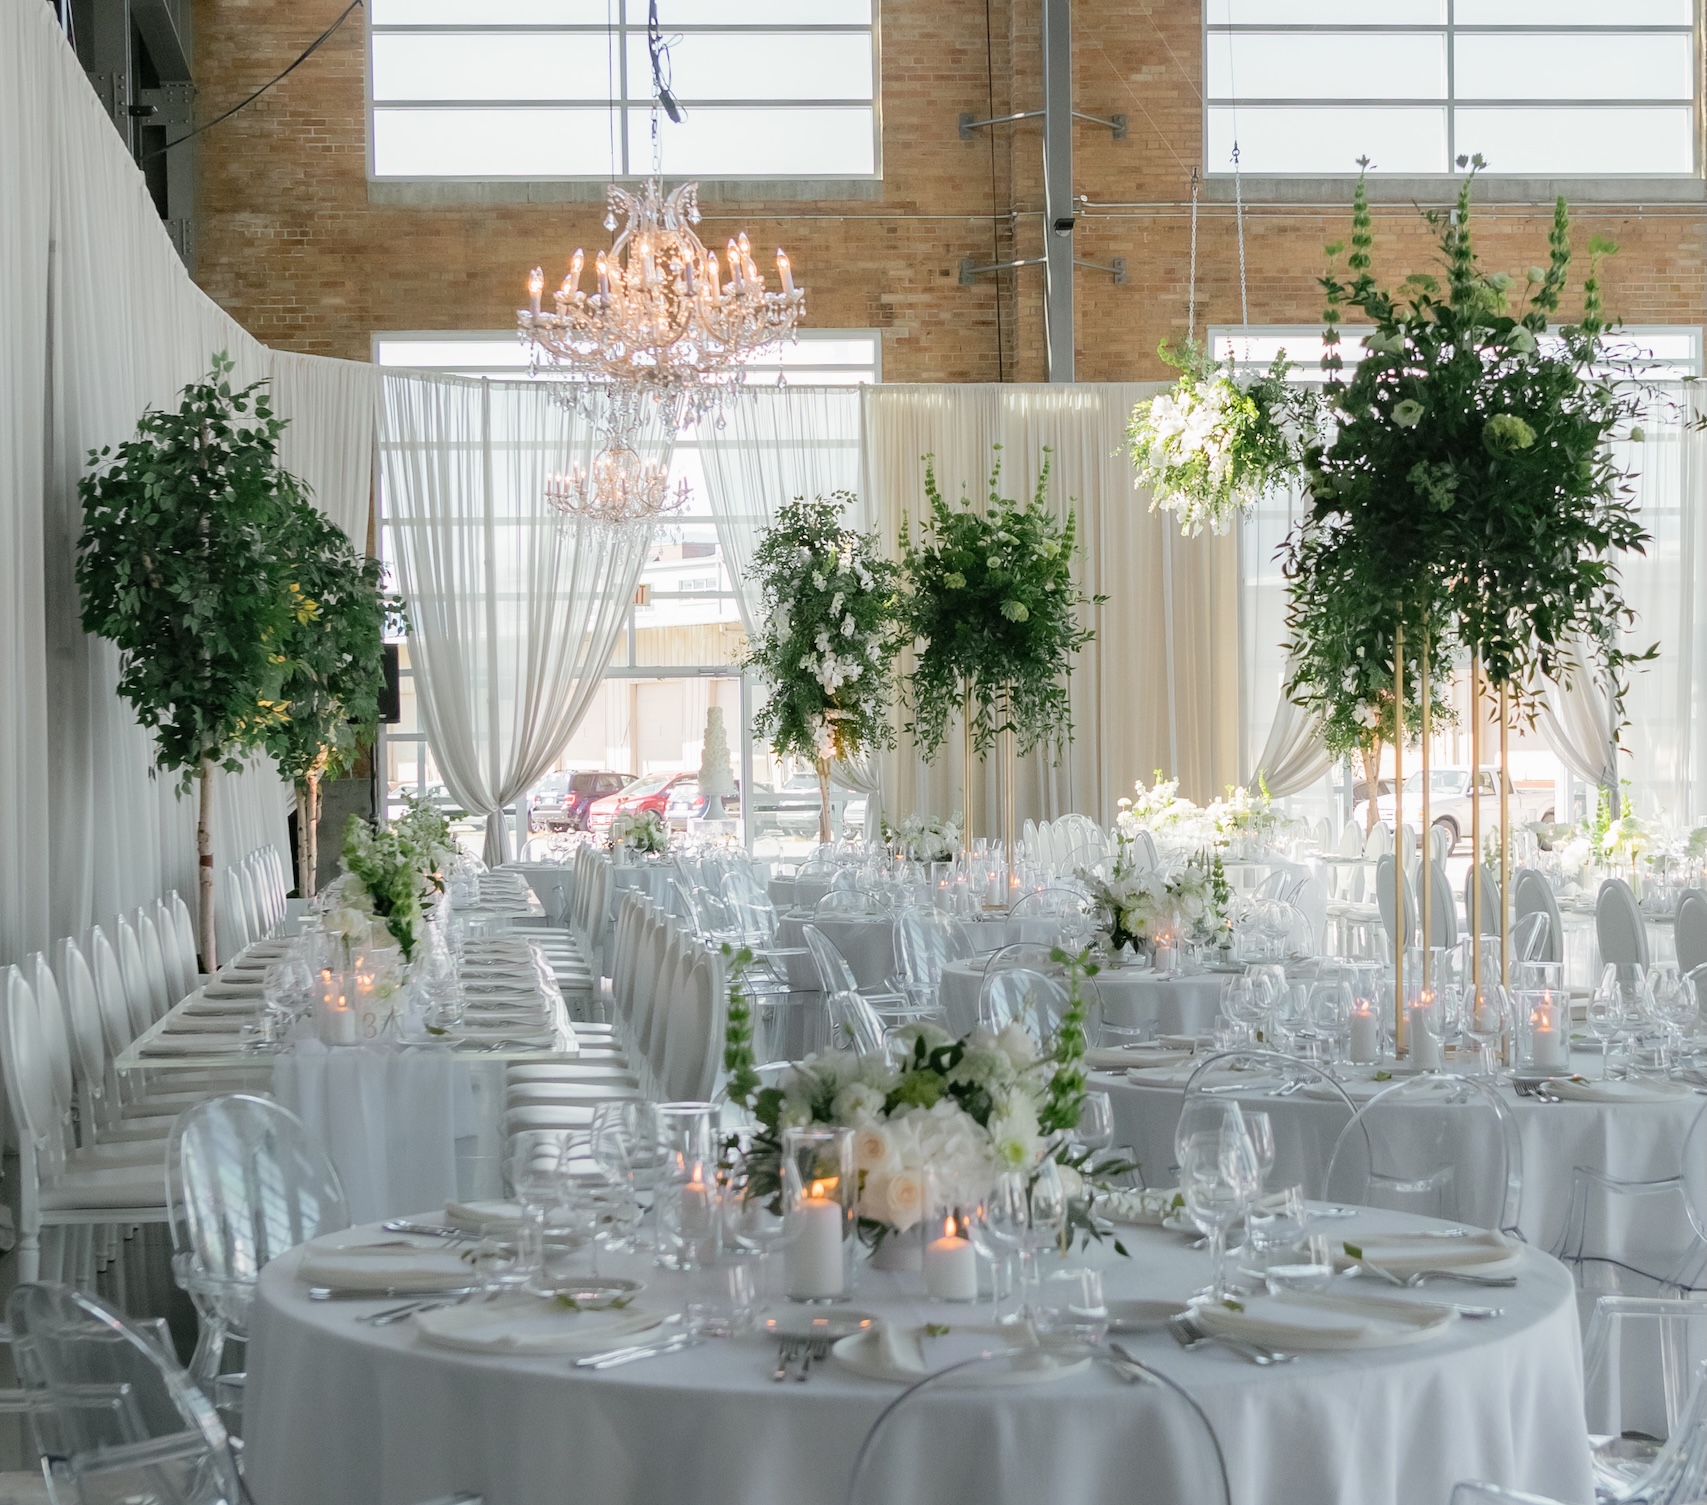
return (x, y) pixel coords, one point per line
(929, 838)
(1132, 906)
(645, 832)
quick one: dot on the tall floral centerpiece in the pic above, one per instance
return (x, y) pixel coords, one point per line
(1467, 493)
(1135, 906)
(1210, 446)
(827, 638)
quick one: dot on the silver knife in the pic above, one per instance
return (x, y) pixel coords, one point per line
(622, 1356)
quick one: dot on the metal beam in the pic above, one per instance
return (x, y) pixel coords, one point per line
(1058, 186)
(160, 35)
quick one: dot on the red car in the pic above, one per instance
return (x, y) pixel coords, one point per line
(649, 793)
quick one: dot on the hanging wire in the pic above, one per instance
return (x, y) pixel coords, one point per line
(1239, 216)
(662, 98)
(995, 224)
(1191, 290)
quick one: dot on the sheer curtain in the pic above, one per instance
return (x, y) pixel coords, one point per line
(98, 321)
(1158, 687)
(513, 614)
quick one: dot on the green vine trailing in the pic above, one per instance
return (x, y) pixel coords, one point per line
(827, 637)
(1468, 492)
(994, 610)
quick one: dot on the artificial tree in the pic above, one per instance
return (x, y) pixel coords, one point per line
(179, 566)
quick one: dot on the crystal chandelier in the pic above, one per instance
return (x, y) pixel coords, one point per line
(622, 490)
(663, 319)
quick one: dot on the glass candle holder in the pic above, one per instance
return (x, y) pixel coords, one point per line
(686, 1194)
(336, 1021)
(819, 1189)
(1424, 1029)
(1544, 1029)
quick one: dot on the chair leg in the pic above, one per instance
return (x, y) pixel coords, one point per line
(210, 1352)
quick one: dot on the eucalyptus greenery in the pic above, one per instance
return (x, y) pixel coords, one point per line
(827, 637)
(179, 565)
(994, 610)
(1468, 485)
(335, 669)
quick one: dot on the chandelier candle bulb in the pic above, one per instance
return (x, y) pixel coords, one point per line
(784, 271)
(951, 1266)
(734, 265)
(573, 281)
(536, 286)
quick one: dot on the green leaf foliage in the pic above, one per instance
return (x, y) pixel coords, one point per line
(178, 565)
(828, 633)
(994, 610)
(1469, 477)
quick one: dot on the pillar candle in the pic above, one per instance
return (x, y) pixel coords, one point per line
(812, 1259)
(1365, 1035)
(951, 1266)
(1547, 1040)
(1425, 1049)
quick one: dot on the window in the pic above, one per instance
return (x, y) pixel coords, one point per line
(1567, 87)
(681, 651)
(562, 89)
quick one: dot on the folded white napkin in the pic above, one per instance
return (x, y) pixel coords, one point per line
(186, 1023)
(387, 1264)
(188, 1045)
(1579, 1090)
(484, 1217)
(534, 1325)
(1481, 1250)
(894, 1351)
(1160, 1076)
(230, 1008)
(1326, 1320)
(223, 987)
(1118, 1058)
(262, 952)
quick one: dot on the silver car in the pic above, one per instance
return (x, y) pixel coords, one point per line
(1450, 804)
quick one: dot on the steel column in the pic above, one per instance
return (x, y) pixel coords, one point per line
(1058, 185)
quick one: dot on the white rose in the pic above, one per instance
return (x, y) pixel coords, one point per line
(1072, 1183)
(874, 1152)
(856, 1103)
(904, 1196)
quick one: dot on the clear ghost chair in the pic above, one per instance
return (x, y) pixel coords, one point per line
(1645, 1398)
(254, 1184)
(1440, 1145)
(1018, 995)
(1140, 1424)
(836, 976)
(114, 1419)
(926, 941)
(1468, 1493)
(1305, 1130)
(1640, 1238)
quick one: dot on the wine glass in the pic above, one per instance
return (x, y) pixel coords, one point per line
(1046, 1223)
(1260, 1127)
(1095, 1129)
(1605, 1014)
(999, 1232)
(536, 1183)
(1218, 1177)
(1484, 1022)
(1674, 1005)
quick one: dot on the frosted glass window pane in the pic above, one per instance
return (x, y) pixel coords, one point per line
(488, 12)
(502, 143)
(761, 65)
(498, 65)
(722, 143)
(1573, 13)
(1327, 65)
(755, 12)
(1603, 141)
(1324, 12)
(1326, 139)
(1491, 66)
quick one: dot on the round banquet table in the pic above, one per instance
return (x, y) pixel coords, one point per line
(1638, 1141)
(341, 1413)
(1131, 998)
(868, 943)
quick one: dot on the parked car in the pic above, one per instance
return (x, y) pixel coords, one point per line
(793, 809)
(1450, 802)
(687, 803)
(560, 801)
(649, 793)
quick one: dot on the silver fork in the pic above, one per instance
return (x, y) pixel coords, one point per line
(1189, 1335)
(787, 1352)
(814, 1348)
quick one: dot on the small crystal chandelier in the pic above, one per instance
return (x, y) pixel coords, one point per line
(664, 318)
(623, 490)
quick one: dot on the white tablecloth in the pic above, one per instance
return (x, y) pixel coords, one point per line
(1130, 998)
(341, 1414)
(1635, 1141)
(406, 1128)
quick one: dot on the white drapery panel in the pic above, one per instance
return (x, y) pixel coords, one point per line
(329, 442)
(775, 444)
(1294, 756)
(1579, 719)
(98, 321)
(1158, 687)
(513, 615)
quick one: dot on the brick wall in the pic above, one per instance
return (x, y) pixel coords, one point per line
(290, 244)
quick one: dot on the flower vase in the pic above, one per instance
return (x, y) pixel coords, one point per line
(898, 1251)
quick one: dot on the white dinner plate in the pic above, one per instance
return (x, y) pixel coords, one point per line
(1327, 1322)
(868, 1354)
(532, 1325)
(1135, 1315)
(817, 1322)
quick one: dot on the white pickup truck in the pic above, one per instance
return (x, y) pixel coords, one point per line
(1450, 802)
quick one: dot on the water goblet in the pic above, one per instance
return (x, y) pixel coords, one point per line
(1095, 1128)
(534, 1177)
(1605, 1014)
(1047, 1221)
(1218, 1177)
(998, 1232)
(1260, 1129)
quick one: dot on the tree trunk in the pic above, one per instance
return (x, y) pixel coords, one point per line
(204, 868)
(1371, 752)
(311, 872)
(823, 801)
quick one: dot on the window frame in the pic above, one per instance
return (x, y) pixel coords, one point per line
(1449, 30)
(624, 109)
